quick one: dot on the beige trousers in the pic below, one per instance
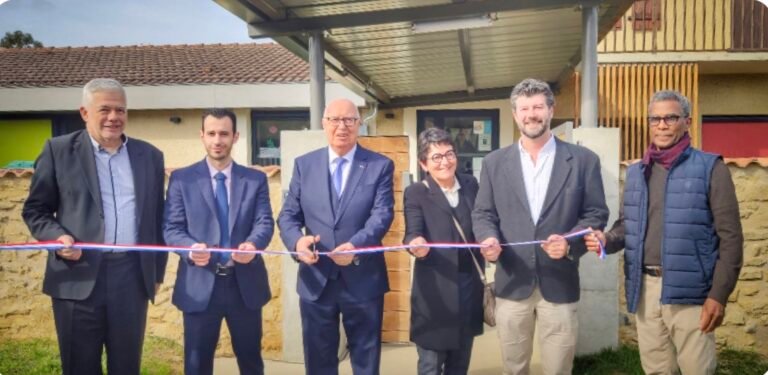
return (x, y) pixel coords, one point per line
(669, 337)
(556, 323)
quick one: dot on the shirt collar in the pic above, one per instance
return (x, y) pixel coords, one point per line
(349, 156)
(549, 147)
(97, 147)
(213, 171)
(453, 189)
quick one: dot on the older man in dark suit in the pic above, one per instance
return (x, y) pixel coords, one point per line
(97, 185)
(537, 189)
(340, 198)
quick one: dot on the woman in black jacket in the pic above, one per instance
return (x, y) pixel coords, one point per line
(446, 297)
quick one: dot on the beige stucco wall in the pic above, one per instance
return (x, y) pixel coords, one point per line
(733, 94)
(25, 312)
(180, 143)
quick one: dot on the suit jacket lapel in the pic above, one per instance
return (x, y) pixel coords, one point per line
(437, 196)
(237, 191)
(560, 171)
(84, 148)
(204, 183)
(321, 175)
(514, 175)
(359, 164)
(138, 160)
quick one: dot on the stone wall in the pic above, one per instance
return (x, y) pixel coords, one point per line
(25, 312)
(746, 315)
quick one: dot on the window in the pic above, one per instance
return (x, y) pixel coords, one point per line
(265, 133)
(646, 15)
(475, 133)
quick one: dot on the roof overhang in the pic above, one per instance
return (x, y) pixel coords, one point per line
(371, 46)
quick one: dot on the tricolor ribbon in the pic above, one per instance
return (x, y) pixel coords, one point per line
(55, 245)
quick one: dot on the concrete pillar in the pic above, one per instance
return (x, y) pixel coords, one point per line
(589, 66)
(316, 80)
(599, 304)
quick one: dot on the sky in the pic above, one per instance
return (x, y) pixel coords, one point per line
(77, 23)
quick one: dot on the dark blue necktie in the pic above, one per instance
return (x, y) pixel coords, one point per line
(222, 214)
(337, 176)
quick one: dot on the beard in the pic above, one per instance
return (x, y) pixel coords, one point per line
(537, 132)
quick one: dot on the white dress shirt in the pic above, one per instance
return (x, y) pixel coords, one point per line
(536, 175)
(452, 193)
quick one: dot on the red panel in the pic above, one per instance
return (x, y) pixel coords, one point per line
(735, 139)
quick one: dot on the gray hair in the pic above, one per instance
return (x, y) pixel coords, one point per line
(530, 87)
(433, 136)
(100, 85)
(672, 96)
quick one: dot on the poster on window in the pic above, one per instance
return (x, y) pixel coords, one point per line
(484, 142)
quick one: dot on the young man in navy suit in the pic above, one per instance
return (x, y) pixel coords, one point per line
(340, 198)
(218, 203)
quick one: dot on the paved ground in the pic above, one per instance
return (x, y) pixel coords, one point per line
(398, 360)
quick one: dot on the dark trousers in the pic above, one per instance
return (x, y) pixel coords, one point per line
(113, 316)
(446, 362)
(201, 331)
(320, 331)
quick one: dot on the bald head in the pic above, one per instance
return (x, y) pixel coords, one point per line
(337, 105)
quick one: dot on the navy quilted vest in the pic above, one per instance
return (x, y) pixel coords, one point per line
(689, 244)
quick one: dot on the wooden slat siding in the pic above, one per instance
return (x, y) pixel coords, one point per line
(684, 25)
(624, 92)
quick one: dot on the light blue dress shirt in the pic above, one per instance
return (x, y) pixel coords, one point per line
(118, 194)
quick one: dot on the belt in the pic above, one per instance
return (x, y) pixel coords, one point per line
(114, 254)
(224, 271)
(654, 271)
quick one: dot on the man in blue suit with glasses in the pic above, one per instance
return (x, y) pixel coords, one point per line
(340, 198)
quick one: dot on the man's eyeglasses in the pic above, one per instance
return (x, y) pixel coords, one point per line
(347, 121)
(448, 156)
(670, 120)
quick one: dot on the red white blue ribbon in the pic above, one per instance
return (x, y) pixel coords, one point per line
(55, 245)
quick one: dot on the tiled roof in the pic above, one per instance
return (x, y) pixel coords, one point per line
(151, 65)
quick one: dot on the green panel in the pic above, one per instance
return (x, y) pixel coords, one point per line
(22, 140)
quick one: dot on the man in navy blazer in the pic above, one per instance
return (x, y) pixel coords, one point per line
(218, 203)
(340, 198)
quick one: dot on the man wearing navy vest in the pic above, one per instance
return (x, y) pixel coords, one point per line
(681, 232)
(219, 203)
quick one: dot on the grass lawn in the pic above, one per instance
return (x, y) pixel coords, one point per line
(626, 361)
(41, 357)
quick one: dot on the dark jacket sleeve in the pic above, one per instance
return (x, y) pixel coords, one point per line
(485, 219)
(43, 200)
(263, 223)
(594, 211)
(725, 210)
(161, 258)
